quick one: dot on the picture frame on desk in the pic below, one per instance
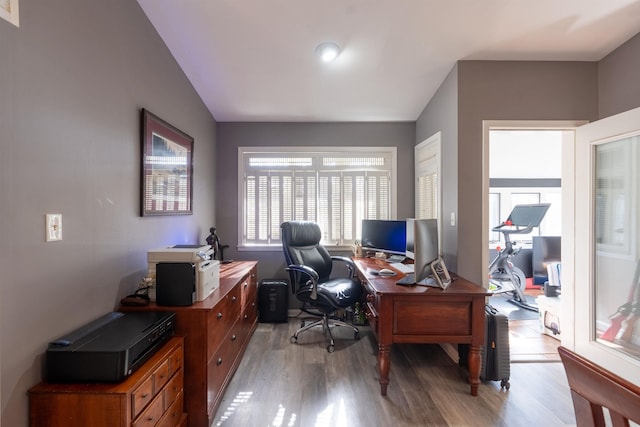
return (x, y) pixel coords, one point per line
(441, 273)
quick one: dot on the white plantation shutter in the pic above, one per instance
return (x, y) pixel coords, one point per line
(427, 171)
(336, 188)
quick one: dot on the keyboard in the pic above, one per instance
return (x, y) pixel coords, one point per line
(403, 268)
(396, 258)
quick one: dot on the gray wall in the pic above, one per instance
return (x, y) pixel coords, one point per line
(73, 78)
(503, 90)
(233, 135)
(618, 79)
(441, 114)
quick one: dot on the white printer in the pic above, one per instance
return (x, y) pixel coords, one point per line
(207, 275)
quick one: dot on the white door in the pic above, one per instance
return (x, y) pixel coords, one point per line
(606, 267)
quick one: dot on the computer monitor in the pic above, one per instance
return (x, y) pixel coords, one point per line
(384, 235)
(425, 247)
(545, 249)
(410, 246)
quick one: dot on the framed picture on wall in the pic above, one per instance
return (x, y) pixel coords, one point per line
(167, 168)
(9, 11)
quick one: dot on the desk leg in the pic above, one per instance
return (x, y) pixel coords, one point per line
(383, 366)
(474, 361)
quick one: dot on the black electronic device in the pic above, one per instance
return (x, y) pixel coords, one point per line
(545, 249)
(175, 283)
(273, 301)
(384, 235)
(108, 349)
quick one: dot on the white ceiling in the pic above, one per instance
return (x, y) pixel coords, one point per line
(254, 60)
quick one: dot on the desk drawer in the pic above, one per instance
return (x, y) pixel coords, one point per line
(433, 318)
(372, 318)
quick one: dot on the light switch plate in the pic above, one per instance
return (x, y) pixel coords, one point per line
(53, 225)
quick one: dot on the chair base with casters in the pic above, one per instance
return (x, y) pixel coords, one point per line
(310, 266)
(327, 322)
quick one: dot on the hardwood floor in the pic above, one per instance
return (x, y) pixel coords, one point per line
(284, 384)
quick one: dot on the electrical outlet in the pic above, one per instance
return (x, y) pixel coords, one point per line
(53, 225)
(453, 219)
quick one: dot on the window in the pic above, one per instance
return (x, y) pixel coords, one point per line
(336, 187)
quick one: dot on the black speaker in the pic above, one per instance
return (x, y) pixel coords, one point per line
(175, 283)
(273, 301)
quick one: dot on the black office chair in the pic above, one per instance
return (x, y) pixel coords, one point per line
(309, 266)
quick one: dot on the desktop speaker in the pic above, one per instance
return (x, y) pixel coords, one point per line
(175, 283)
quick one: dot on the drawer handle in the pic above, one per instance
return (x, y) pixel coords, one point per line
(246, 284)
(233, 337)
(219, 316)
(234, 298)
(246, 316)
(145, 395)
(253, 304)
(219, 361)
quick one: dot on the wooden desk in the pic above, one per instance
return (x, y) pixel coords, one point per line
(419, 314)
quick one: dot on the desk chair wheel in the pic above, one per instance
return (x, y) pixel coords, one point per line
(293, 339)
(331, 348)
(356, 335)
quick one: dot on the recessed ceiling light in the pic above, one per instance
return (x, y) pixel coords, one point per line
(328, 51)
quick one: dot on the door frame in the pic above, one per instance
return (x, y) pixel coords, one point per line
(568, 186)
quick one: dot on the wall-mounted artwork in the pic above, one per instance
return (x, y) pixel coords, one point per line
(167, 168)
(9, 11)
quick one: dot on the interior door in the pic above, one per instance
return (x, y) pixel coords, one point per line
(606, 264)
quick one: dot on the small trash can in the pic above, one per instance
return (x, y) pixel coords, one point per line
(273, 301)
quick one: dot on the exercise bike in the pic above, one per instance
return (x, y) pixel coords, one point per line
(504, 277)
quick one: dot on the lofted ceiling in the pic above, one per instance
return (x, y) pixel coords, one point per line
(254, 60)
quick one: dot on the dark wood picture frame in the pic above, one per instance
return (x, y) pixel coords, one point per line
(166, 186)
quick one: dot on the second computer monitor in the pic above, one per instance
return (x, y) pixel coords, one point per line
(422, 245)
(384, 235)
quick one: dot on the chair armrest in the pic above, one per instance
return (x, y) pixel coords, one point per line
(310, 273)
(348, 262)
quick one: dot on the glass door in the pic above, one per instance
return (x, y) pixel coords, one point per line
(607, 260)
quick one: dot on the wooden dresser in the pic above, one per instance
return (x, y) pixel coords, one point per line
(216, 333)
(152, 396)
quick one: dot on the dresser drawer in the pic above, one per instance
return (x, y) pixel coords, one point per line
(173, 389)
(221, 363)
(173, 415)
(161, 376)
(141, 397)
(176, 360)
(221, 319)
(248, 289)
(152, 413)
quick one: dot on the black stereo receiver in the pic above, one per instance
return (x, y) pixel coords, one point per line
(108, 349)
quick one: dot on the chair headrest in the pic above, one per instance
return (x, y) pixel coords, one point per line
(301, 233)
